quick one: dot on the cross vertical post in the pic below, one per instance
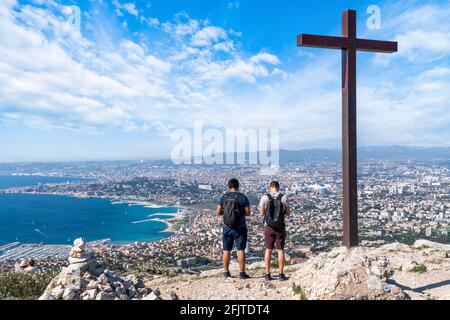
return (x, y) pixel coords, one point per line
(349, 131)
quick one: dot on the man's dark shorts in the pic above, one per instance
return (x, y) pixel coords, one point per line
(274, 238)
(230, 235)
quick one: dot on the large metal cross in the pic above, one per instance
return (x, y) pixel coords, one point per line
(349, 44)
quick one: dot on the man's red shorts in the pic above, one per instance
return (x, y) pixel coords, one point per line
(274, 238)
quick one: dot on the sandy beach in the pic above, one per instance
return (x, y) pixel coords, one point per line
(171, 227)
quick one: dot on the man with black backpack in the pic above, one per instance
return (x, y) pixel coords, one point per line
(234, 207)
(274, 207)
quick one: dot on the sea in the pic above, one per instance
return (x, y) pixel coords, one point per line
(56, 219)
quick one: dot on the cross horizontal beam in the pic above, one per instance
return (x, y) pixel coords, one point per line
(376, 46)
(316, 41)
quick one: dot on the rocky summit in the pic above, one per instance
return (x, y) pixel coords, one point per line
(83, 279)
(391, 272)
(343, 274)
(394, 271)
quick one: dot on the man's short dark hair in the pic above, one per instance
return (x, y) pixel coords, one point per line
(233, 184)
(276, 185)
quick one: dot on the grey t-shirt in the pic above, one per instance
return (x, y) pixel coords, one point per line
(264, 202)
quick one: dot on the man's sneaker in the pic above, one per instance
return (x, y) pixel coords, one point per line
(268, 277)
(282, 277)
(243, 275)
(227, 274)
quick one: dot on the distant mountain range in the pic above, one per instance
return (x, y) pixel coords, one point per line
(367, 153)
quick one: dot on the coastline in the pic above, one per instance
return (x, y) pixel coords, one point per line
(170, 223)
(114, 199)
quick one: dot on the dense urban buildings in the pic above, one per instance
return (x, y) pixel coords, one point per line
(398, 201)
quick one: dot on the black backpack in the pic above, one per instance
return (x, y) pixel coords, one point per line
(275, 212)
(231, 211)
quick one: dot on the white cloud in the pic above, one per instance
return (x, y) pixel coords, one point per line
(151, 22)
(422, 30)
(45, 2)
(131, 9)
(42, 79)
(128, 7)
(183, 26)
(415, 43)
(234, 5)
(118, 7)
(208, 36)
(413, 113)
(55, 78)
(50, 75)
(265, 57)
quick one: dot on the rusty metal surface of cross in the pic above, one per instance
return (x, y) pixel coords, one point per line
(349, 44)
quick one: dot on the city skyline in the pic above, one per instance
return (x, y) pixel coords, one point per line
(135, 71)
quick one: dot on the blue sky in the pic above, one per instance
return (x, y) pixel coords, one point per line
(137, 70)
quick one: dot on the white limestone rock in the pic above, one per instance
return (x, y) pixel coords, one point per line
(419, 244)
(152, 296)
(81, 259)
(344, 274)
(89, 294)
(79, 242)
(69, 294)
(78, 268)
(106, 296)
(57, 292)
(47, 296)
(93, 284)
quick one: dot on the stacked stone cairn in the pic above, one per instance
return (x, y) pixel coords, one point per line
(83, 279)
